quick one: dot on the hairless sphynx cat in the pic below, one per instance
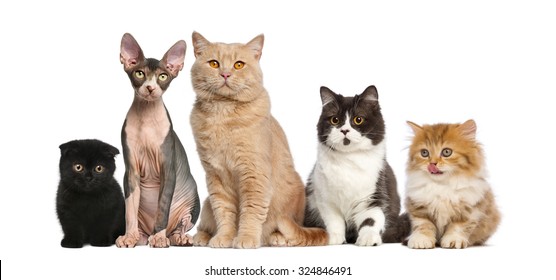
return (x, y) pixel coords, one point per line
(162, 203)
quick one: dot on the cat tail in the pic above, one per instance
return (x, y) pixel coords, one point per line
(296, 235)
(398, 231)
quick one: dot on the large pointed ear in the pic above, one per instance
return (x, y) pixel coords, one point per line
(327, 96)
(174, 57)
(256, 45)
(370, 94)
(199, 43)
(468, 129)
(130, 52)
(416, 128)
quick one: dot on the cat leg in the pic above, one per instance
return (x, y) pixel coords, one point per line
(335, 224)
(206, 227)
(370, 223)
(456, 235)
(73, 237)
(423, 235)
(225, 213)
(179, 236)
(132, 235)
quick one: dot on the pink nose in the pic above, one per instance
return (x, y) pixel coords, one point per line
(150, 89)
(225, 75)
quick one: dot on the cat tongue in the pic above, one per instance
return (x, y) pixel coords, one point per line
(433, 169)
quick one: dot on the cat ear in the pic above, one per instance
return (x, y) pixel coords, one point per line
(111, 151)
(256, 45)
(199, 43)
(130, 52)
(370, 94)
(66, 148)
(469, 129)
(174, 57)
(415, 127)
(327, 96)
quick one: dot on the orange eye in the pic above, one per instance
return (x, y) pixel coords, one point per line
(238, 65)
(334, 120)
(99, 169)
(214, 64)
(358, 120)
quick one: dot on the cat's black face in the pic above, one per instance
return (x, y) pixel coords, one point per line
(350, 123)
(87, 165)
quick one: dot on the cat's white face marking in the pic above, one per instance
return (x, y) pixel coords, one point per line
(346, 138)
(150, 90)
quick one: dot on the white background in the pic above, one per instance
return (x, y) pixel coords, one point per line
(432, 61)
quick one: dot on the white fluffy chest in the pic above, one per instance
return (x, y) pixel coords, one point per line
(343, 180)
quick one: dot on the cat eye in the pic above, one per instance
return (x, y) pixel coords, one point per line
(358, 120)
(446, 152)
(99, 169)
(334, 120)
(238, 65)
(214, 64)
(163, 77)
(139, 74)
(77, 167)
(425, 153)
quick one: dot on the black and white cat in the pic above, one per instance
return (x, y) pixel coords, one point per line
(352, 190)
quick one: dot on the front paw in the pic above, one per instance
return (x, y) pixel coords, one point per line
(201, 238)
(247, 242)
(420, 241)
(129, 240)
(336, 238)
(159, 240)
(221, 241)
(369, 239)
(454, 241)
(71, 243)
(277, 239)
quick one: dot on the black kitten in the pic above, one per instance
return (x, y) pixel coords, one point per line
(89, 202)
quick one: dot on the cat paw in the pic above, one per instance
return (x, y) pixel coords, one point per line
(221, 241)
(159, 240)
(201, 238)
(246, 242)
(454, 241)
(129, 240)
(102, 242)
(420, 241)
(277, 239)
(369, 239)
(70, 243)
(336, 239)
(181, 240)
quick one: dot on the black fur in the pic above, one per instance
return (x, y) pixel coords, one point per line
(89, 204)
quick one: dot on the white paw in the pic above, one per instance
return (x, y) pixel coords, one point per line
(336, 238)
(420, 241)
(369, 238)
(454, 241)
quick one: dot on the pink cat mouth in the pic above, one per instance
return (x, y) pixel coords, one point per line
(434, 170)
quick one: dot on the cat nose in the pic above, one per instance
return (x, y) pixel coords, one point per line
(150, 89)
(225, 75)
(344, 131)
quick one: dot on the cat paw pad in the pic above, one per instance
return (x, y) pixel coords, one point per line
(420, 241)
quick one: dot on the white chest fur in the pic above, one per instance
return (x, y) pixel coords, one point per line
(345, 179)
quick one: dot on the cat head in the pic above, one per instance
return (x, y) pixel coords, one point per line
(227, 71)
(86, 165)
(350, 123)
(440, 150)
(150, 77)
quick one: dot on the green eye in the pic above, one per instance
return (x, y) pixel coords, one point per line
(214, 64)
(446, 152)
(163, 77)
(358, 120)
(425, 153)
(77, 167)
(334, 120)
(139, 74)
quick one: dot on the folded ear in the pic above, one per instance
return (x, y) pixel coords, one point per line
(256, 45)
(468, 129)
(130, 52)
(66, 148)
(199, 43)
(416, 128)
(111, 151)
(174, 57)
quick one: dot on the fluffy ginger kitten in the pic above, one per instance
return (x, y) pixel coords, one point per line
(449, 201)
